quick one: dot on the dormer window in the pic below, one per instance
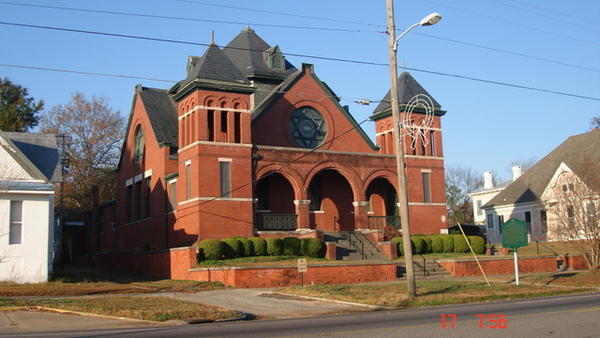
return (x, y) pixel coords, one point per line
(138, 145)
(274, 58)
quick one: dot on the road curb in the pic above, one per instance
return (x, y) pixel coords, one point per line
(374, 307)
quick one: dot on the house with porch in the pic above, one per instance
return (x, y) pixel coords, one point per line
(249, 144)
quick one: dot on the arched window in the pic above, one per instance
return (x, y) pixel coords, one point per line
(138, 145)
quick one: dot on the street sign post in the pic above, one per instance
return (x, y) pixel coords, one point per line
(302, 268)
(514, 235)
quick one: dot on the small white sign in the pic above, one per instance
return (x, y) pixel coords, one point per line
(302, 265)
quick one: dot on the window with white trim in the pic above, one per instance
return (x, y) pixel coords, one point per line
(15, 231)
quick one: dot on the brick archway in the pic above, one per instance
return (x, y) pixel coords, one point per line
(274, 207)
(331, 201)
(382, 208)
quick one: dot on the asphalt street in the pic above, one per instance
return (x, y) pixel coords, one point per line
(566, 316)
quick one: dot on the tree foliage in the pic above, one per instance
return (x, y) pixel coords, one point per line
(18, 111)
(459, 182)
(94, 132)
(595, 122)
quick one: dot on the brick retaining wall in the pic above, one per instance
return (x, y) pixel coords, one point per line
(505, 265)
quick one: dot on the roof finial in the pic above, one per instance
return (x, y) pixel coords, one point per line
(212, 37)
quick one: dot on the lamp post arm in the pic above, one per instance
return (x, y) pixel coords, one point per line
(395, 48)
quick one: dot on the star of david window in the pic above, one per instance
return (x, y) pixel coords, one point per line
(308, 127)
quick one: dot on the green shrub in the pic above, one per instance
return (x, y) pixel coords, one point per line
(418, 245)
(427, 248)
(437, 244)
(312, 247)
(448, 243)
(291, 246)
(478, 244)
(233, 247)
(211, 249)
(399, 245)
(274, 246)
(260, 246)
(248, 247)
(460, 244)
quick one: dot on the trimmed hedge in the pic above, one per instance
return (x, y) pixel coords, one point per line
(427, 248)
(419, 245)
(248, 247)
(312, 247)
(260, 246)
(211, 249)
(291, 246)
(477, 243)
(274, 246)
(460, 244)
(437, 244)
(448, 242)
(233, 247)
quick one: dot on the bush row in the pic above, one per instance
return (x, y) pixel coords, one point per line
(234, 247)
(441, 244)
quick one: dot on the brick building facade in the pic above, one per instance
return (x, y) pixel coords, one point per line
(249, 144)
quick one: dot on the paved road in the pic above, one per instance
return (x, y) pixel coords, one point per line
(567, 316)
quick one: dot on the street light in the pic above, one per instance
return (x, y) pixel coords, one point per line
(429, 20)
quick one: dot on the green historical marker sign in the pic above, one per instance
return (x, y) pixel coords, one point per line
(514, 233)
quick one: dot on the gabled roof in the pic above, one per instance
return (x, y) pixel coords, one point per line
(578, 152)
(408, 87)
(162, 113)
(214, 65)
(246, 52)
(40, 152)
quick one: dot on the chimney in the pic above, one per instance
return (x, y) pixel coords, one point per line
(488, 180)
(517, 172)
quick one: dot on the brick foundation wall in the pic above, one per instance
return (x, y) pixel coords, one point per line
(505, 265)
(179, 264)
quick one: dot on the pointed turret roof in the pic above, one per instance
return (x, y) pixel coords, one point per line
(247, 50)
(408, 87)
(214, 65)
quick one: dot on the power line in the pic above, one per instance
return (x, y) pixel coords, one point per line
(490, 17)
(579, 18)
(371, 63)
(534, 12)
(464, 43)
(71, 71)
(283, 13)
(152, 16)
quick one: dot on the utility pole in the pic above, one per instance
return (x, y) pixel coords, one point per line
(400, 165)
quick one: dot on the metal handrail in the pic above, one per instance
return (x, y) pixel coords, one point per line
(423, 267)
(547, 247)
(360, 246)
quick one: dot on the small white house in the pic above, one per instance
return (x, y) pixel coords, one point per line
(481, 196)
(29, 165)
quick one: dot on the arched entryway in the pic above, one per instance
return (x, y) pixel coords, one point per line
(331, 199)
(274, 209)
(383, 204)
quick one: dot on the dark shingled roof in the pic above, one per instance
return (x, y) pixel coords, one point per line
(246, 52)
(214, 65)
(407, 88)
(577, 152)
(162, 113)
(41, 150)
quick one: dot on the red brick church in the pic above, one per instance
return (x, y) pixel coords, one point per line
(249, 144)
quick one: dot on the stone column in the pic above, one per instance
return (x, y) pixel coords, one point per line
(302, 207)
(361, 219)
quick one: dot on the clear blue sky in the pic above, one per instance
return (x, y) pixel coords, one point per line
(486, 127)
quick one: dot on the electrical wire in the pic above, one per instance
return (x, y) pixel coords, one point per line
(578, 18)
(326, 58)
(152, 16)
(464, 43)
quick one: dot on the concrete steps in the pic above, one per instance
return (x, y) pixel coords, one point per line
(424, 268)
(353, 246)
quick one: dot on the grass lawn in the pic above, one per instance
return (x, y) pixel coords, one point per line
(147, 308)
(430, 292)
(76, 281)
(549, 248)
(270, 260)
(570, 278)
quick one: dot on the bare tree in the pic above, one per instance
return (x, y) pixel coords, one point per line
(459, 182)
(595, 122)
(573, 208)
(95, 132)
